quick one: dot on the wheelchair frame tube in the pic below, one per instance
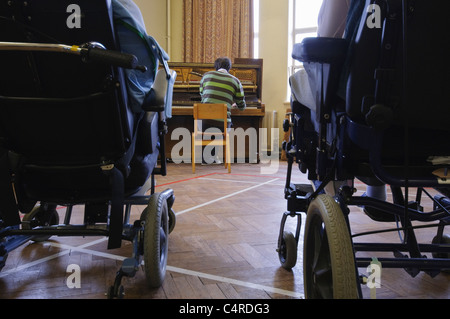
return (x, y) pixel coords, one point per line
(92, 51)
(420, 263)
(398, 210)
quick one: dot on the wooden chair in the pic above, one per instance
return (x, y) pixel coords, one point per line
(211, 112)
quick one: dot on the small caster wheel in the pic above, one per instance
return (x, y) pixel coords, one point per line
(287, 251)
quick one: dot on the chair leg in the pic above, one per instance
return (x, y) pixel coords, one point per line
(193, 153)
(228, 154)
(225, 157)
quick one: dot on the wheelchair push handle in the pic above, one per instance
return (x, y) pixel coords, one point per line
(89, 52)
(123, 60)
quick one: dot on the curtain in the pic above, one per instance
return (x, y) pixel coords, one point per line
(217, 28)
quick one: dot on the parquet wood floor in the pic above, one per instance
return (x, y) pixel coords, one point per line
(223, 247)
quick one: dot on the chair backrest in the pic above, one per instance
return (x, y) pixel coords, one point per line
(53, 107)
(210, 112)
(403, 60)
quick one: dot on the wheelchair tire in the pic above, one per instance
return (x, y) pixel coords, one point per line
(156, 240)
(329, 268)
(287, 252)
(40, 216)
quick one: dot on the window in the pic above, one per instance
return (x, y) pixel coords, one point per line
(302, 24)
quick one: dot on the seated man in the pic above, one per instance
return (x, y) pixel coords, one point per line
(221, 87)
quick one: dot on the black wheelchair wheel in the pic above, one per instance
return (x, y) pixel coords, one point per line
(156, 240)
(287, 251)
(328, 263)
(44, 215)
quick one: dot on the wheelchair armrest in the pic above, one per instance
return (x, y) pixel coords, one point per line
(154, 102)
(162, 89)
(323, 61)
(320, 50)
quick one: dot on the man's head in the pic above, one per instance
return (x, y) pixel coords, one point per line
(223, 63)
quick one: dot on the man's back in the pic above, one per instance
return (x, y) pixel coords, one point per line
(222, 87)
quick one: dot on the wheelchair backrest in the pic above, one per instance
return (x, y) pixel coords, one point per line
(402, 64)
(54, 108)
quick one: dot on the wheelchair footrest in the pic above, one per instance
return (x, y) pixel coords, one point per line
(304, 189)
(298, 190)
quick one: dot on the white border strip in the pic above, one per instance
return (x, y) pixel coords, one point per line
(224, 197)
(45, 259)
(227, 180)
(236, 282)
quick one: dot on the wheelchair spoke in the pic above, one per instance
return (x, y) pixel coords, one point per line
(323, 283)
(321, 268)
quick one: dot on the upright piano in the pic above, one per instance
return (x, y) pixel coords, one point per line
(186, 94)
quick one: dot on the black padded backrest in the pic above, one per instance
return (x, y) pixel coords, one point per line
(55, 109)
(362, 59)
(428, 69)
(424, 103)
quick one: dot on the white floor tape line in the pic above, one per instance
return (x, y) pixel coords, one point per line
(236, 282)
(83, 249)
(45, 259)
(228, 180)
(224, 197)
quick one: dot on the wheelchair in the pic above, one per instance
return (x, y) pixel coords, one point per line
(69, 135)
(388, 127)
